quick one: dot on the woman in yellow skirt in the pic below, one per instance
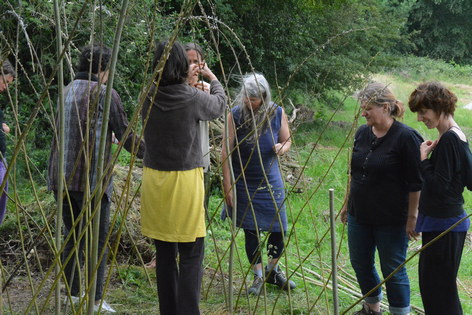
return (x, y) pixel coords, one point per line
(172, 211)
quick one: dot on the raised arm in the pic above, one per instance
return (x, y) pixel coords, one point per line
(119, 123)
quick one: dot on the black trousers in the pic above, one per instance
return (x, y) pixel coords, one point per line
(275, 246)
(438, 267)
(179, 279)
(70, 213)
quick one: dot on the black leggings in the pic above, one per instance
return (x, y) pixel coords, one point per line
(275, 246)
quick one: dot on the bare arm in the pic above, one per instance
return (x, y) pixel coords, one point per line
(343, 213)
(413, 202)
(225, 161)
(285, 141)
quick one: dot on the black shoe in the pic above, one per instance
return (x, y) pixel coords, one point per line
(277, 277)
(256, 286)
(366, 311)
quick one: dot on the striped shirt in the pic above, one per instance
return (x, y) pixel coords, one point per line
(83, 106)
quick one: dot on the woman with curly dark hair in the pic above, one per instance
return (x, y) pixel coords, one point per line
(445, 168)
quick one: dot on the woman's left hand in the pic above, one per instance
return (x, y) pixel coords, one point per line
(202, 85)
(411, 229)
(343, 215)
(279, 149)
(206, 72)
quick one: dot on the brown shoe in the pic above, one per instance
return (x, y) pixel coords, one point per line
(366, 311)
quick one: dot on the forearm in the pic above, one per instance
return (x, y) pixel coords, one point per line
(413, 203)
(134, 146)
(285, 139)
(212, 106)
(226, 171)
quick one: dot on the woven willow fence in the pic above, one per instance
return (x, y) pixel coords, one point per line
(32, 273)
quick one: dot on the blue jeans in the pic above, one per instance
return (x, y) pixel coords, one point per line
(391, 242)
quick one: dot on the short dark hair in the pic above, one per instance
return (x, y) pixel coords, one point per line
(435, 96)
(7, 68)
(96, 55)
(176, 67)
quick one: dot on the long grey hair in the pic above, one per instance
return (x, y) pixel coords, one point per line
(255, 85)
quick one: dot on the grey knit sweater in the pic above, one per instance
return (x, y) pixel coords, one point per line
(171, 118)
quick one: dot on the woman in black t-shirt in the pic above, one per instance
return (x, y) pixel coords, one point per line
(384, 189)
(445, 173)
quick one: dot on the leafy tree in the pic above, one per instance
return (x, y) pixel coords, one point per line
(27, 35)
(442, 29)
(328, 45)
(320, 46)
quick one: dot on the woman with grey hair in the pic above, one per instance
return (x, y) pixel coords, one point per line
(385, 184)
(258, 134)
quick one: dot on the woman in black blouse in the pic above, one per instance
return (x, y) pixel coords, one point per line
(384, 189)
(445, 173)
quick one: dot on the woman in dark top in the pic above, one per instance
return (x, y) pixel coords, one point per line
(384, 189)
(445, 174)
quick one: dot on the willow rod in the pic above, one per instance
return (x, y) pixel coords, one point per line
(101, 153)
(60, 173)
(334, 273)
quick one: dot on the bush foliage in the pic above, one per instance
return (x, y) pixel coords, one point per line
(304, 47)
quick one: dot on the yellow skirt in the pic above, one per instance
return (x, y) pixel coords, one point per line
(172, 205)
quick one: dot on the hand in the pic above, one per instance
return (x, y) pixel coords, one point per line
(411, 229)
(206, 72)
(5, 128)
(193, 71)
(203, 86)
(426, 147)
(279, 149)
(229, 199)
(343, 215)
